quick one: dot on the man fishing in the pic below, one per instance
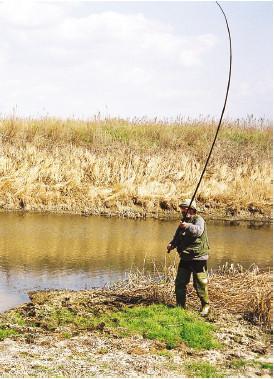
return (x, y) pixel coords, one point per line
(190, 238)
(191, 242)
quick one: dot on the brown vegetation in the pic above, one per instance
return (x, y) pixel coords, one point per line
(133, 167)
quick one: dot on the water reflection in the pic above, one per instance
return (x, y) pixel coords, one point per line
(11, 299)
(62, 251)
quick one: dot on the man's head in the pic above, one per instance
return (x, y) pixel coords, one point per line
(184, 207)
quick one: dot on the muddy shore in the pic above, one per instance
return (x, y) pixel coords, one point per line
(260, 216)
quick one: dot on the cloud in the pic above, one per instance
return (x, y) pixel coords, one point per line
(52, 59)
(29, 14)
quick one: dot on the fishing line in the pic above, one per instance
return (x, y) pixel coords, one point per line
(223, 110)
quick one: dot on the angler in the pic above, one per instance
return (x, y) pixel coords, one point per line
(192, 245)
(190, 238)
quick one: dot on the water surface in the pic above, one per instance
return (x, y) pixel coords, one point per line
(39, 251)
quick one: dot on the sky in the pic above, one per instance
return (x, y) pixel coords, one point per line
(135, 59)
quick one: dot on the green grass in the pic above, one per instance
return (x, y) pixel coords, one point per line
(268, 366)
(203, 370)
(140, 133)
(169, 325)
(172, 326)
(4, 333)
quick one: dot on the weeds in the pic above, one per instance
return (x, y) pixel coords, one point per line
(244, 291)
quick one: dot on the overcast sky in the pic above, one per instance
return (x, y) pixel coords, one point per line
(130, 59)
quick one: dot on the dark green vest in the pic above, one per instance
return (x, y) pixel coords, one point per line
(190, 247)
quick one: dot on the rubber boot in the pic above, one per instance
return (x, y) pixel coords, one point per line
(205, 309)
(181, 282)
(200, 285)
(181, 297)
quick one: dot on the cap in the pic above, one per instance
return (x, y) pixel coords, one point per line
(185, 203)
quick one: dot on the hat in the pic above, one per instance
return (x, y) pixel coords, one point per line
(186, 202)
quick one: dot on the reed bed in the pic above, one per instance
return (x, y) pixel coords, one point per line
(232, 289)
(134, 167)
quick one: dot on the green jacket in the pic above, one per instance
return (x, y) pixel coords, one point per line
(192, 243)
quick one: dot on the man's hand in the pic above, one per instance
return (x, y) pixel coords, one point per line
(169, 247)
(183, 225)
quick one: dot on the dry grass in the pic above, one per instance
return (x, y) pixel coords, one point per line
(244, 291)
(232, 289)
(134, 167)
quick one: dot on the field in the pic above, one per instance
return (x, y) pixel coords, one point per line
(135, 168)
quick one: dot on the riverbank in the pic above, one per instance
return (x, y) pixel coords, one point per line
(257, 220)
(135, 168)
(114, 331)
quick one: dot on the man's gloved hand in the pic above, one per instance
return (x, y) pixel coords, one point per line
(183, 225)
(169, 247)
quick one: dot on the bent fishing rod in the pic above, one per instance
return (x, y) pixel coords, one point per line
(220, 121)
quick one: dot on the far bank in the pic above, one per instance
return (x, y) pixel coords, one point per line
(136, 168)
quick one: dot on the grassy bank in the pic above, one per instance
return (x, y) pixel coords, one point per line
(130, 330)
(135, 168)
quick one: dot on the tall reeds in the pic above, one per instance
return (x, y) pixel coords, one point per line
(134, 167)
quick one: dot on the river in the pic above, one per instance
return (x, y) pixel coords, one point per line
(44, 251)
